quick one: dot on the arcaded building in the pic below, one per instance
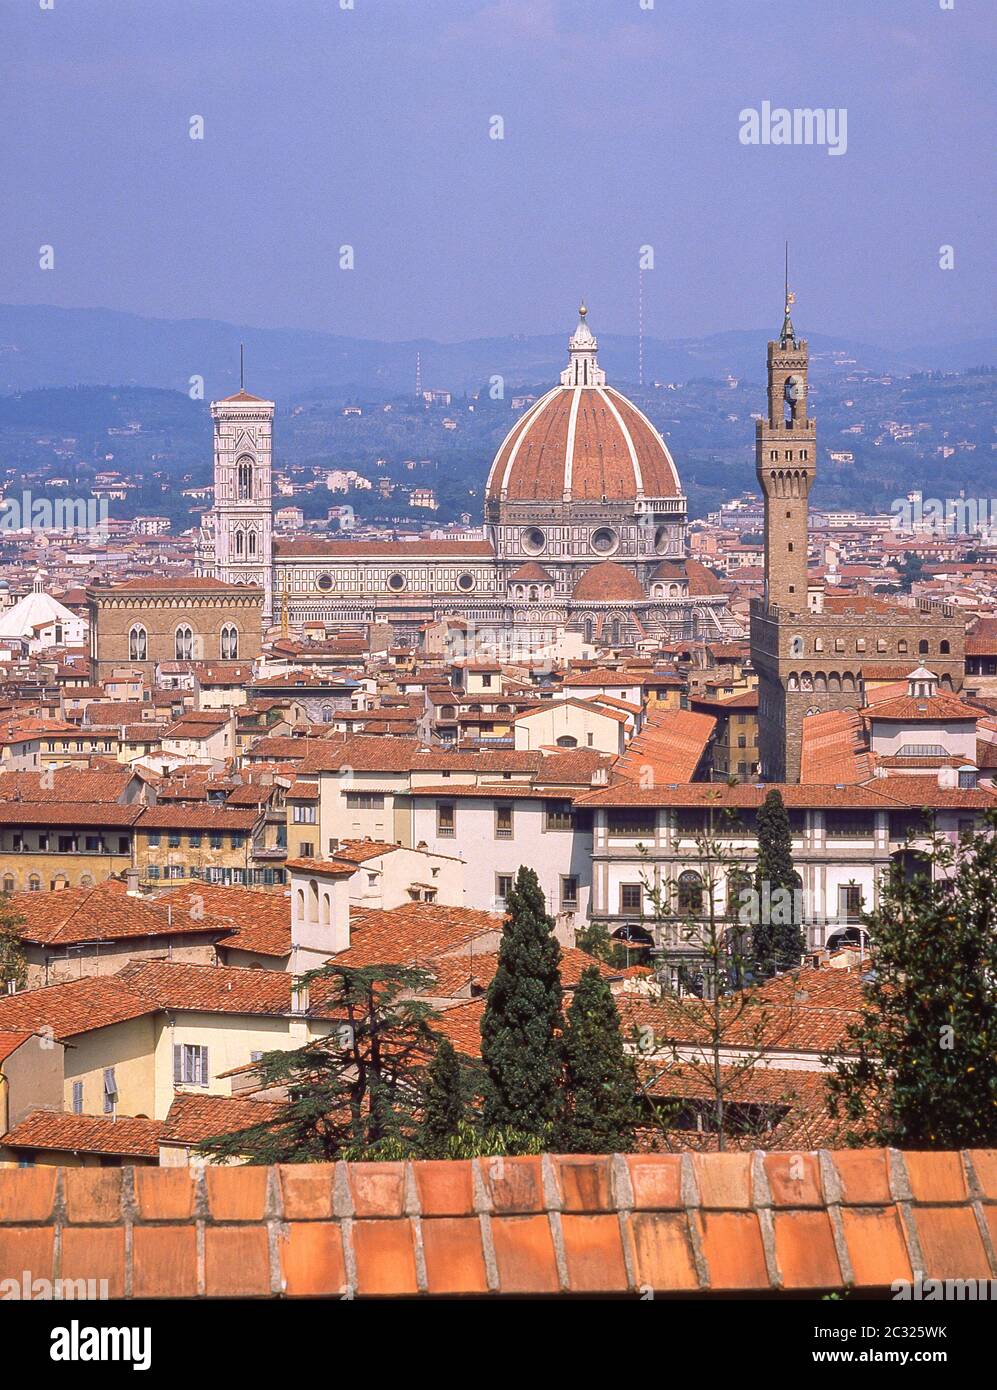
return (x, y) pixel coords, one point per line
(584, 530)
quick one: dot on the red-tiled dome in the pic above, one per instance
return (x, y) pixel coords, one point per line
(583, 441)
(608, 583)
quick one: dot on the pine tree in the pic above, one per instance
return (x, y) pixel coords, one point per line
(13, 961)
(520, 1028)
(358, 1092)
(599, 1111)
(777, 932)
(445, 1105)
(922, 1069)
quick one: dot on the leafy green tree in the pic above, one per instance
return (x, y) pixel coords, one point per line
(357, 1093)
(922, 1066)
(520, 1027)
(599, 1110)
(777, 926)
(13, 961)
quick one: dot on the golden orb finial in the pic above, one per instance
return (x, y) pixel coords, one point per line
(582, 309)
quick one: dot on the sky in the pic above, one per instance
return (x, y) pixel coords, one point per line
(369, 124)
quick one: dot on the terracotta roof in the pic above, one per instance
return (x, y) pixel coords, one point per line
(801, 1222)
(609, 582)
(834, 748)
(415, 932)
(193, 1118)
(11, 1040)
(253, 921)
(196, 816)
(669, 747)
(225, 989)
(106, 912)
(69, 814)
(531, 571)
(77, 1006)
(122, 1136)
(919, 708)
(66, 784)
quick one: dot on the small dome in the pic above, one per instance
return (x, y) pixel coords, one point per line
(609, 583)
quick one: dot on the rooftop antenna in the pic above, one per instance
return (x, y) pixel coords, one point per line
(242, 367)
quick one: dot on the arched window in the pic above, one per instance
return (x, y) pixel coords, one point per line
(690, 893)
(184, 643)
(244, 469)
(922, 647)
(86, 881)
(8, 884)
(902, 647)
(138, 643)
(251, 542)
(34, 884)
(238, 542)
(230, 642)
(944, 647)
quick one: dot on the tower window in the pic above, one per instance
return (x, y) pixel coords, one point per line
(244, 479)
(251, 542)
(790, 547)
(230, 642)
(239, 538)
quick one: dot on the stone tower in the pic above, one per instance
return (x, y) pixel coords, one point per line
(809, 647)
(785, 461)
(243, 518)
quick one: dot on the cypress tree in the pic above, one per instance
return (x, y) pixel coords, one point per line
(777, 934)
(444, 1101)
(520, 1027)
(599, 1110)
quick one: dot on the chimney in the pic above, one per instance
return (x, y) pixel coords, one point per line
(131, 883)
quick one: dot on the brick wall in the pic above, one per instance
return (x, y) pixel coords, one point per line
(685, 1224)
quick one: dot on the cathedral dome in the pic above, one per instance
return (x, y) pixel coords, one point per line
(608, 583)
(582, 441)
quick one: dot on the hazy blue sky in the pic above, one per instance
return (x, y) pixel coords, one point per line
(370, 127)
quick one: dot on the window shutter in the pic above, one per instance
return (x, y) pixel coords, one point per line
(204, 1066)
(177, 1064)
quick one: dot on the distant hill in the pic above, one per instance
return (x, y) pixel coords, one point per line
(42, 346)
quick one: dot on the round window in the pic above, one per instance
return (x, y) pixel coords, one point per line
(325, 582)
(534, 540)
(604, 540)
(661, 539)
(396, 582)
(465, 582)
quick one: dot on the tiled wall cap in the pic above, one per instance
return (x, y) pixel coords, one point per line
(541, 1224)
